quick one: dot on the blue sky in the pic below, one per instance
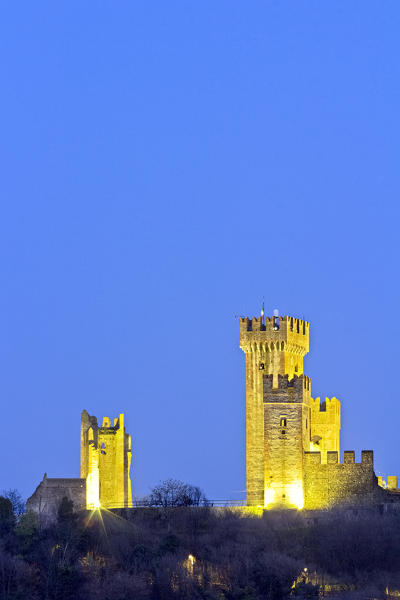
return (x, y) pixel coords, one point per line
(164, 166)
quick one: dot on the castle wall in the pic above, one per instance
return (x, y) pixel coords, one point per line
(48, 495)
(325, 424)
(105, 462)
(286, 433)
(293, 441)
(330, 484)
(254, 429)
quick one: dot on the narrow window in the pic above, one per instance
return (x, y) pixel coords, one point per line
(283, 422)
(306, 423)
(261, 366)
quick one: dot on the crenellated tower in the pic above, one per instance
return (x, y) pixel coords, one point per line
(282, 420)
(105, 462)
(275, 349)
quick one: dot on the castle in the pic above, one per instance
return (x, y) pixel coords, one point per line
(292, 439)
(105, 464)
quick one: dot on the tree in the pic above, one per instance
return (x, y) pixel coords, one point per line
(66, 510)
(18, 503)
(173, 492)
(7, 519)
(27, 531)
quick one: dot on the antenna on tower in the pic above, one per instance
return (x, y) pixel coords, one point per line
(276, 320)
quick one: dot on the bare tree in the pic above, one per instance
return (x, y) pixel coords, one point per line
(173, 492)
(16, 500)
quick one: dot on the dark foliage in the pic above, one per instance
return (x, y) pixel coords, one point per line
(196, 553)
(16, 500)
(173, 492)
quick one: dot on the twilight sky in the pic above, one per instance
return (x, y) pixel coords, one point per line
(165, 165)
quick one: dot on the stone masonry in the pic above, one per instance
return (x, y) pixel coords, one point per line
(105, 464)
(292, 439)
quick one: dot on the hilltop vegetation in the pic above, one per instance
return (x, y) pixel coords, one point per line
(195, 553)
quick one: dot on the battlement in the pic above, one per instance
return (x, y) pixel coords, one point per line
(292, 324)
(107, 428)
(314, 458)
(298, 382)
(329, 405)
(292, 335)
(332, 482)
(295, 390)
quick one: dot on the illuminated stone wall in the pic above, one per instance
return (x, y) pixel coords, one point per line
(293, 440)
(286, 434)
(105, 462)
(326, 485)
(273, 353)
(325, 426)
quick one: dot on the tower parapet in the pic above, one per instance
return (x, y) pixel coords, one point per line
(292, 337)
(278, 351)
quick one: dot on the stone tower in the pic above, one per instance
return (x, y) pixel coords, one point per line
(282, 420)
(105, 462)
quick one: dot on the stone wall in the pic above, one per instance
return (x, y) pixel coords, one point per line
(274, 352)
(286, 424)
(105, 462)
(325, 426)
(48, 495)
(330, 484)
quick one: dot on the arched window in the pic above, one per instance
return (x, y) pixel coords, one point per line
(283, 422)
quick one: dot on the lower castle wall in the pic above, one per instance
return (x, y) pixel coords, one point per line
(327, 485)
(283, 453)
(48, 495)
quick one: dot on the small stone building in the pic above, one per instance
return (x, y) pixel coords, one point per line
(48, 495)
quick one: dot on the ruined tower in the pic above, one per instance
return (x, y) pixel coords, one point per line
(105, 462)
(282, 420)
